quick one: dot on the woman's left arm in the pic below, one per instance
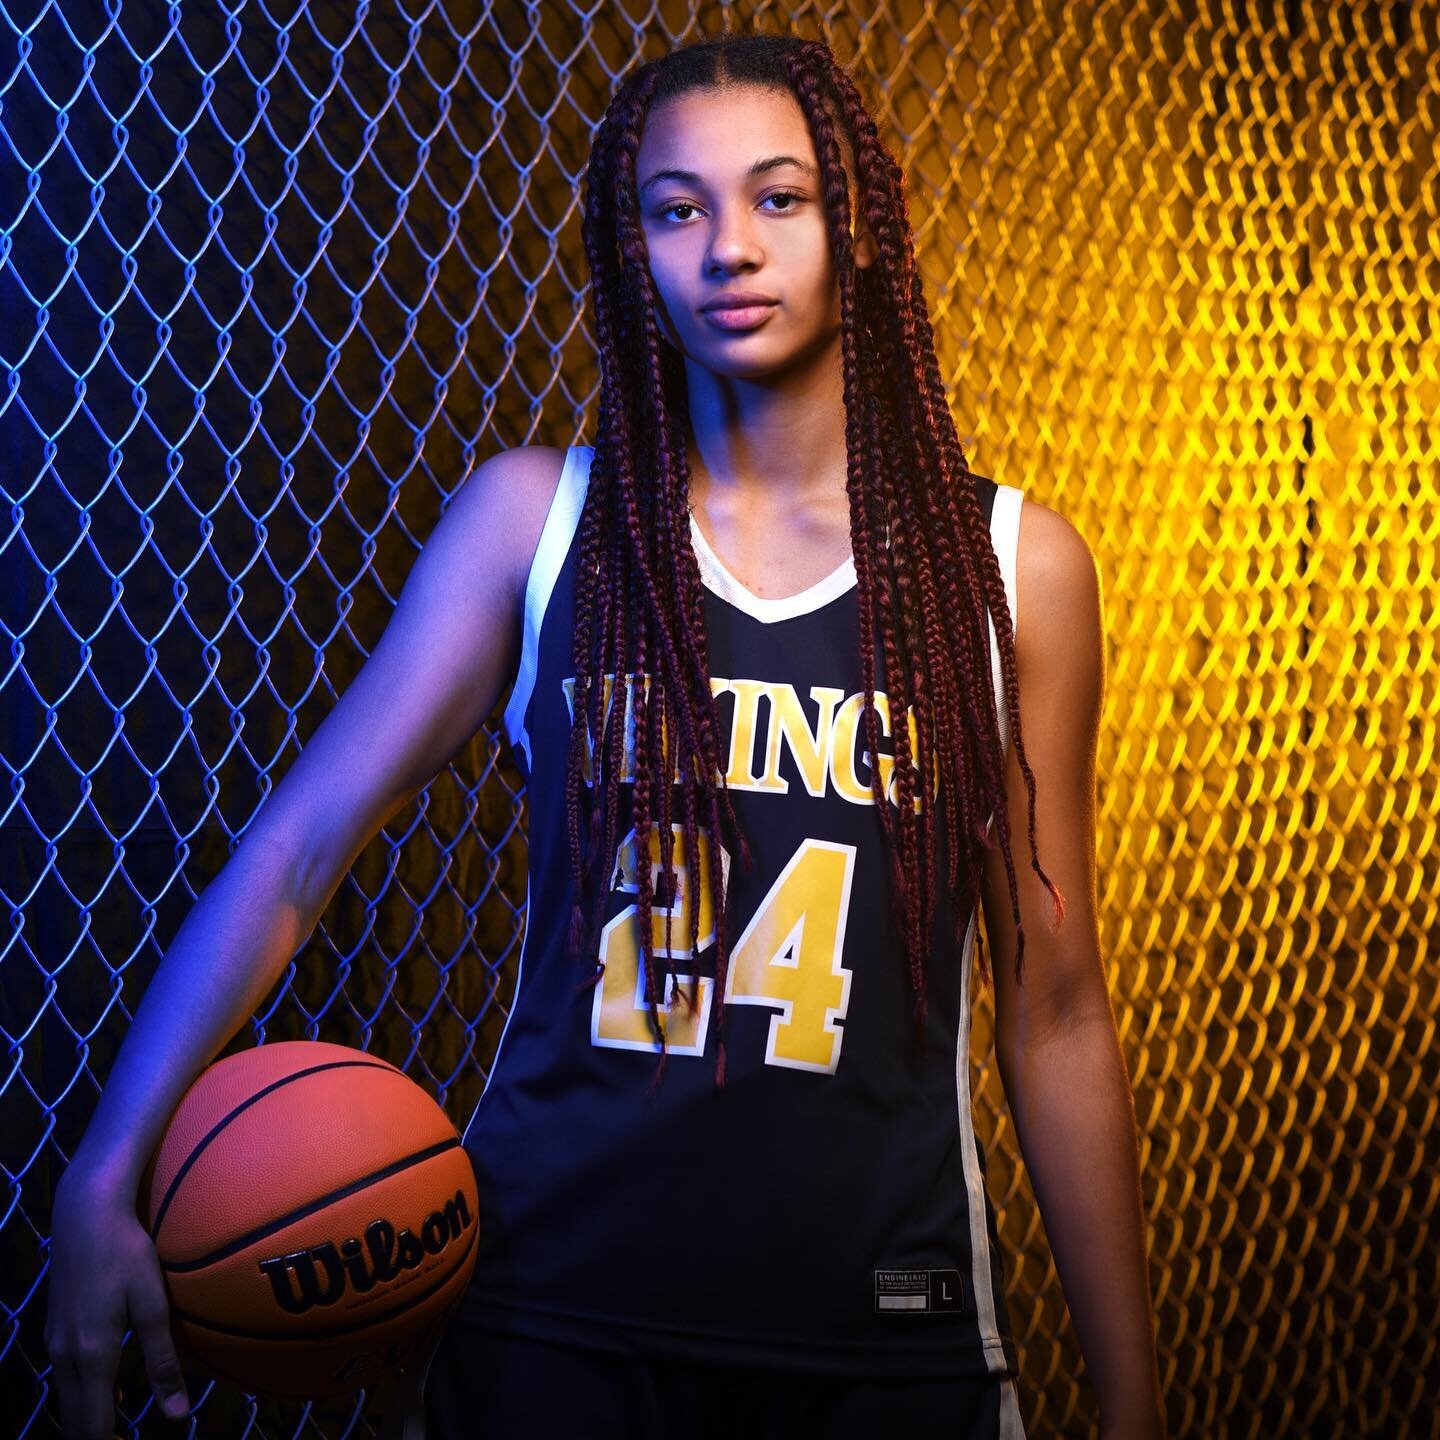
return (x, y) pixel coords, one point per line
(1056, 1044)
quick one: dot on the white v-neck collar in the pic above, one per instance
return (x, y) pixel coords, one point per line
(714, 573)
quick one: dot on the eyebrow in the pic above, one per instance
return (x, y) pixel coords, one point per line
(760, 167)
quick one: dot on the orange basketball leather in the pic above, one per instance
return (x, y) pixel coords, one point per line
(315, 1217)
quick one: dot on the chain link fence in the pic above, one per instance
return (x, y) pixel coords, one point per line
(274, 281)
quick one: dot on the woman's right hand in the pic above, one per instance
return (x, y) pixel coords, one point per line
(103, 1269)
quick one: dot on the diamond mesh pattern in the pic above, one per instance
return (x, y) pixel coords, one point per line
(274, 281)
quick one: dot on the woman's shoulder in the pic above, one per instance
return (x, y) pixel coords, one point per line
(1059, 597)
(528, 466)
(1054, 556)
(524, 475)
(1050, 553)
(504, 501)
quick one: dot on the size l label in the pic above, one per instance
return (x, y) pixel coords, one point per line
(918, 1292)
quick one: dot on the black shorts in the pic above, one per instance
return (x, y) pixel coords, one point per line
(484, 1386)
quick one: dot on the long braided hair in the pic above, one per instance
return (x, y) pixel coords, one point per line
(924, 564)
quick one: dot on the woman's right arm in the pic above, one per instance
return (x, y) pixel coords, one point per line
(432, 680)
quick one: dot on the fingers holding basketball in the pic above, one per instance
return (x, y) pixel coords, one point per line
(150, 1316)
(82, 1374)
(99, 1259)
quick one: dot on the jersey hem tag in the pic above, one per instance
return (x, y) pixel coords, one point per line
(918, 1292)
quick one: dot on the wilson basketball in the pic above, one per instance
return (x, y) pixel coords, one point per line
(315, 1218)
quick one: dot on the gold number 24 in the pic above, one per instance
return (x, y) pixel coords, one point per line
(787, 958)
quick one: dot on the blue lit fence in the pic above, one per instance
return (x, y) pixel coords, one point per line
(273, 282)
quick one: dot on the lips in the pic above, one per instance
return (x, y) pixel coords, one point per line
(732, 299)
(741, 316)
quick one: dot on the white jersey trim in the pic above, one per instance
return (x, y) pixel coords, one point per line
(554, 545)
(980, 1277)
(1012, 1427)
(784, 607)
(1005, 535)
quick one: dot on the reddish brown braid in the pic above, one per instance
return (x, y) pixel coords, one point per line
(639, 605)
(912, 333)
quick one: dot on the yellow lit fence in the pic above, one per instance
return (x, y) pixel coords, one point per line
(274, 282)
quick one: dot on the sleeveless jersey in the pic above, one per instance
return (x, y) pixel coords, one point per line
(826, 1209)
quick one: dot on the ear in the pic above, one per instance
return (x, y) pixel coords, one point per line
(865, 247)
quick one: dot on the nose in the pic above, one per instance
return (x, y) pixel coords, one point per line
(732, 240)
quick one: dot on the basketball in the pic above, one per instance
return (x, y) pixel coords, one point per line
(315, 1217)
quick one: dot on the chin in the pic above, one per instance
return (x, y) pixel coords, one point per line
(751, 356)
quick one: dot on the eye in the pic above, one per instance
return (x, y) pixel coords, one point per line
(666, 211)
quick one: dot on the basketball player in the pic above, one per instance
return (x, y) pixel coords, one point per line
(728, 1177)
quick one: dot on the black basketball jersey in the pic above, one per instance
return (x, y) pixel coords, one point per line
(826, 1208)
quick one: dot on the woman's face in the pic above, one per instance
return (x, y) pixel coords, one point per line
(730, 200)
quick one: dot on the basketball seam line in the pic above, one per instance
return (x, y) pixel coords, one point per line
(308, 1208)
(259, 1095)
(260, 1232)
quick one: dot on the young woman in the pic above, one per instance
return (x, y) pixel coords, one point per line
(727, 1171)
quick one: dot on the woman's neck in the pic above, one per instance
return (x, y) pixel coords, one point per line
(763, 445)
